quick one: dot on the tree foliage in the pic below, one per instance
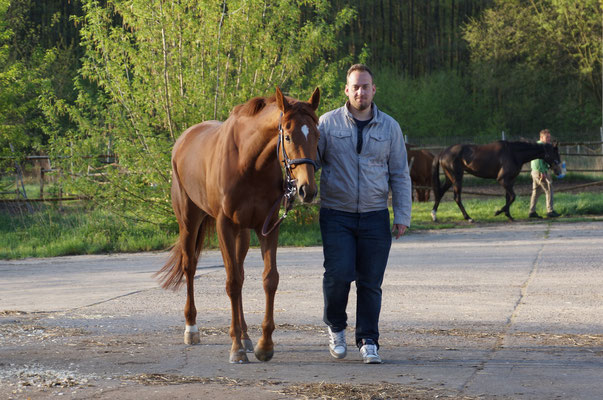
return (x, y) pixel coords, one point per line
(539, 62)
(38, 53)
(162, 66)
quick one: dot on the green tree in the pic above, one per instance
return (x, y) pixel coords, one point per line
(38, 55)
(540, 62)
(162, 66)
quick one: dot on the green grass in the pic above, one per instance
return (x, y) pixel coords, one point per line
(573, 207)
(80, 229)
(75, 229)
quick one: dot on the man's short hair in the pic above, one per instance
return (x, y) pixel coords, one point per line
(361, 68)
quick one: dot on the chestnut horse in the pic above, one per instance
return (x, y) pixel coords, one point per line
(419, 162)
(228, 176)
(499, 160)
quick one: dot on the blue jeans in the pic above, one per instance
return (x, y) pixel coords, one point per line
(356, 247)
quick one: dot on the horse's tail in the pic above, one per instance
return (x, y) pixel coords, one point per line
(435, 176)
(170, 276)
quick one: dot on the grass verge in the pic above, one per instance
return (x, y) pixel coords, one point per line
(80, 229)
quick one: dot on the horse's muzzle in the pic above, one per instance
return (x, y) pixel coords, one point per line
(306, 193)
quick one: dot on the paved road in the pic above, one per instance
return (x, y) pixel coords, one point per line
(493, 311)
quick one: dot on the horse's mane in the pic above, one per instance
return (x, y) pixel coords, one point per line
(253, 106)
(257, 104)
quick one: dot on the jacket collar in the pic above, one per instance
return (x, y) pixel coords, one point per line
(377, 117)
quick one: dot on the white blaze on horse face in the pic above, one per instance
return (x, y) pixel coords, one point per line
(305, 131)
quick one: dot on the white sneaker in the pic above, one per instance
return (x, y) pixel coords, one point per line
(369, 352)
(337, 345)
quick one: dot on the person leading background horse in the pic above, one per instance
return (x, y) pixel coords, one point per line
(500, 160)
(542, 181)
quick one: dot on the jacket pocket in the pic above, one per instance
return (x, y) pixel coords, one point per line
(378, 147)
(341, 140)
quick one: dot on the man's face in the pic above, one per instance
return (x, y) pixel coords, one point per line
(360, 90)
(545, 138)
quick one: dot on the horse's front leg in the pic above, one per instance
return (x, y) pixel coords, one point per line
(242, 243)
(265, 347)
(509, 199)
(227, 234)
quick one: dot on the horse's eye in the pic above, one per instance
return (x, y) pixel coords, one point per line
(288, 139)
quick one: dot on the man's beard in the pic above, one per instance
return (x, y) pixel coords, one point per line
(361, 106)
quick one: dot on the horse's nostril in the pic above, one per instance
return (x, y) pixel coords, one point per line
(302, 192)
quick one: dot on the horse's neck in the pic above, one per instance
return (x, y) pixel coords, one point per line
(530, 152)
(257, 147)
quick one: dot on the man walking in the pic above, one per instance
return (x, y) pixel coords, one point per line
(363, 157)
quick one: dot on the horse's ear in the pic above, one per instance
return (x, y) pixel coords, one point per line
(281, 101)
(315, 99)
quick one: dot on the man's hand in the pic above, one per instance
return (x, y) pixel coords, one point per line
(399, 229)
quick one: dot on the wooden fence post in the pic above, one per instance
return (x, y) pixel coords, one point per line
(41, 181)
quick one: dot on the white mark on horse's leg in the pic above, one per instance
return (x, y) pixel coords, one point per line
(305, 131)
(433, 216)
(192, 335)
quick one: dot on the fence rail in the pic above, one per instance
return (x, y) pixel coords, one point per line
(21, 195)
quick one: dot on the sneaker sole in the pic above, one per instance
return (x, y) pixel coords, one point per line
(372, 361)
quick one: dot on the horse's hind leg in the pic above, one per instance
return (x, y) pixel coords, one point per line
(438, 194)
(265, 347)
(228, 233)
(190, 220)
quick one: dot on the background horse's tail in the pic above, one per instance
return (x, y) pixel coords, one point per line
(435, 176)
(170, 276)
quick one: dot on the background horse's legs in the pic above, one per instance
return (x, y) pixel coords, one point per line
(265, 347)
(242, 243)
(438, 193)
(228, 233)
(458, 187)
(509, 197)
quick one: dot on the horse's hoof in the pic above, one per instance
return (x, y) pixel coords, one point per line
(192, 338)
(263, 355)
(497, 213)
(470, 220)
(248, 345)
(434, 218)
(238, 357)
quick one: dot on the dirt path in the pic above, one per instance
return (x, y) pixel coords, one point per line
(507, 311)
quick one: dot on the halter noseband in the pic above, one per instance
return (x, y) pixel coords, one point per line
(289, 184)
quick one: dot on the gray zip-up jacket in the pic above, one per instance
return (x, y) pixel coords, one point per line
(360, 183)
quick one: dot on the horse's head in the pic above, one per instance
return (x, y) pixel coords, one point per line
(298, 136)
(551, 157)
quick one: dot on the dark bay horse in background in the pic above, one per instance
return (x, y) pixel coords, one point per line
(500, 160)
(419, 162)
(227, 176)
